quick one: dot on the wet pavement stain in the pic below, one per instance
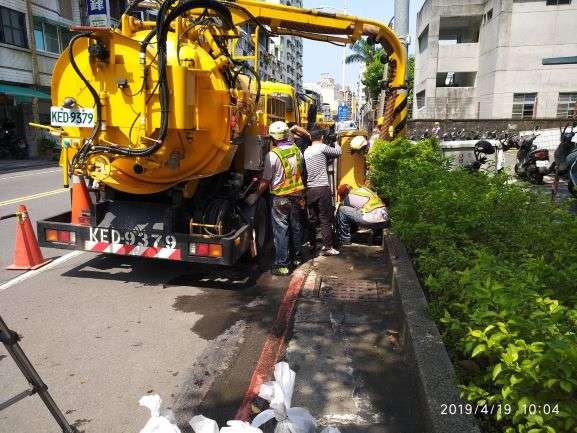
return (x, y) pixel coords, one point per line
(232, 307)
(233, 290)
(79, 422)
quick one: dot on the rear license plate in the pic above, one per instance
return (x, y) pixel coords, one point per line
(132, 238)
(132, 243)
(78, 117)
(542, 164)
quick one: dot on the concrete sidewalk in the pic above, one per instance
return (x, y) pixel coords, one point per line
(345, 349)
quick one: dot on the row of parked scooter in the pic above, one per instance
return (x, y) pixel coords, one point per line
(533, 162)
(457, 134)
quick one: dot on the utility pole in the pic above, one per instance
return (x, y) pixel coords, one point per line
(344, 81)
(33, 148)
(401, 28)
(402, 14)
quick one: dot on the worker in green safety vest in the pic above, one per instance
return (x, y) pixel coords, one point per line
(362, 207)
(282, 175)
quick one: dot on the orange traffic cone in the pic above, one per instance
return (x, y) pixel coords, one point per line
(80, 202)
(27, 254)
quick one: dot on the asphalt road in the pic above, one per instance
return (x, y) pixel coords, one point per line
(103, 331)
(40, 189)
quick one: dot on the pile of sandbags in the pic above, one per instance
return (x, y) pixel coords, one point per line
(278, 393)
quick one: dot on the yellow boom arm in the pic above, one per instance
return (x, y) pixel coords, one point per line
(338, 28)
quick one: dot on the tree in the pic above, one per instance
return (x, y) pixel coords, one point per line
(373, 76)
(410, 79)
(362, 52)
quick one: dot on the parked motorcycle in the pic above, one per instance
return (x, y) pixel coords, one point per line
(11, 145)
(481, 149)
(532, 163)
(565, 164)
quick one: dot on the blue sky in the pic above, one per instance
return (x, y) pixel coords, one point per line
(322, 57)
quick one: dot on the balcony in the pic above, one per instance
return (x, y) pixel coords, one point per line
(458, 57)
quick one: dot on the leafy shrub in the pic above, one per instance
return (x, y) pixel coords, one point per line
(499, 266)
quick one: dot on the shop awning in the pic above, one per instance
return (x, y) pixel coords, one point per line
(22, 94)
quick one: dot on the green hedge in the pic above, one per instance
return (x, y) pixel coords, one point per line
(499, 264)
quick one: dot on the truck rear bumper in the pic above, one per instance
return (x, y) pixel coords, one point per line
(55, 232)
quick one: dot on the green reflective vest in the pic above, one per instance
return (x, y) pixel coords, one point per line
(292, 179)
(373, 201)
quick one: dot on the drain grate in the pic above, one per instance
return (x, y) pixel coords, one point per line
(343, 289)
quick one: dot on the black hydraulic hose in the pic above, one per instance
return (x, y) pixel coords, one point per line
(163, 26)
(252, 18)
(145, 42)
(91, 89)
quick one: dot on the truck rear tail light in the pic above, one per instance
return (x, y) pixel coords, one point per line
(205, 250)
(60, 236)
(215, 250)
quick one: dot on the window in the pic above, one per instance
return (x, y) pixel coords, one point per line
(524, 105)
(13, 28)
(65, 8)
(420, 99)
(50, 37)
(558, 2)
(460, 29)
(424, 40)
(456, 79)
(567, 105)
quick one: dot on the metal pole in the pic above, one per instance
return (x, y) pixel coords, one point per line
(402, 14)
(10, 340)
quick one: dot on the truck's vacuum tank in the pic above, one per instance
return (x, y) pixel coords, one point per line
(204, 117)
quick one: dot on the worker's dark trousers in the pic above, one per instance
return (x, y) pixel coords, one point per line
(322, 212)
(287, 229)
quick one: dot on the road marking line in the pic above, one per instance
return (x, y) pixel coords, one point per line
(30, 274)
(32, 197)
(30, 174)
(274, 343)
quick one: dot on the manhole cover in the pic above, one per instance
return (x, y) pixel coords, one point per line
(344, 289)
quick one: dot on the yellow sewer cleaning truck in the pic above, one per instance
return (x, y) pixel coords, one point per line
(161, 120)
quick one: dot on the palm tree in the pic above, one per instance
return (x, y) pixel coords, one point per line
(363, 52)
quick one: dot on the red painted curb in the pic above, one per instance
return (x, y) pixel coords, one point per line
(273, 344)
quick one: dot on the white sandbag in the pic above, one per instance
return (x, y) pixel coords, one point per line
(202, 424)
(235, 426)
(279, 393)
(330, 430)
(157, 423)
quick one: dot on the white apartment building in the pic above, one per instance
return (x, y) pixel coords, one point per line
(496, 59)
(281, 57)
(32, 35)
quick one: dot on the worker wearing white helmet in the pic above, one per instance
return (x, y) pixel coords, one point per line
(359, 143)
(282, 175)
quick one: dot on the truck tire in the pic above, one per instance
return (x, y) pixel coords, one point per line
(262, 227)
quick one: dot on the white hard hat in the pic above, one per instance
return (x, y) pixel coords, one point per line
(358, 143)
(278, 130)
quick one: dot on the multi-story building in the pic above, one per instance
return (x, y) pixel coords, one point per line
(496, 59)
(281, 57)
(32, 35)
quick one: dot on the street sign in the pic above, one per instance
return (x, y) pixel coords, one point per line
(343, 112)
(98, 13)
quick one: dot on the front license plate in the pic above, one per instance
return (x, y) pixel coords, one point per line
(78, 117)
(542, 164)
